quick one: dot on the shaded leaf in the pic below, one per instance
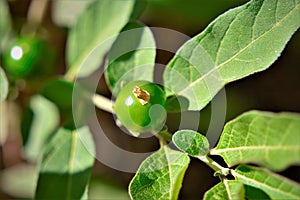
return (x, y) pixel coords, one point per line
(227, 190)
(276, 186)
(160, 175)
(265, 138)
(191, 142)
(66, 165)
(238, 43)
(44, 122)
(94, 33)
(3, 85)
(132, 57)
(253, 193)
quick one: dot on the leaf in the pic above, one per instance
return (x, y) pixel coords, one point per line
(101, 189)
(3, 85)
(242, 41)
(276, 186)
(5, 24)
(19, 181)
(66, 165)
(132, 57)
(66, 12)
(253, 193)
(159, 176)
(191, 142)
(59, 92)
(227, 190)
(94, 33)
(265, 138)
(44, 122)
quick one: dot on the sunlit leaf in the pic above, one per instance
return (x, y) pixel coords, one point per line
(276, 186)
(237, 44)
(191, 142)
(45, 120)
(93, 34)
(160, 176)
(268, 139)
(227, 190)
(132, 57)
(66, 165)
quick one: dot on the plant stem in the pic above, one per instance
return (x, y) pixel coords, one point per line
(214, 165)
(36, 11)
(103, 103)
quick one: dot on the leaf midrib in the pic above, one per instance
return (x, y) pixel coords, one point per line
(241, 51)
(71, 163)
(276, 147)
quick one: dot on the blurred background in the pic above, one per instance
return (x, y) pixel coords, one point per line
(276, 89)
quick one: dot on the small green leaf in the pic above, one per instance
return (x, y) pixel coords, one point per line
(132, 57)
(5, 24)
(268, 139)
(66, 165)
(44, 122)
(93, 35)
(191, 142)
(242, 41)
(3, 85)
(276, 186)
(159, 176)
(227, 190)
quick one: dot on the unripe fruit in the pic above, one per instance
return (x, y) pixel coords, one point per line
(27, 55)
(140, 107)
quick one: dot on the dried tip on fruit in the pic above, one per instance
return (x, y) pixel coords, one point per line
(142, 95)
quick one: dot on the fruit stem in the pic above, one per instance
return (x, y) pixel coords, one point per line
(36, 11)
(103, 103)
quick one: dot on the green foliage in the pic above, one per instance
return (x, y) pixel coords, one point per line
(268, 139)
(191, 142)
(94, 33)
(5, 24)
(159, 176)
(131, 57)
(227, 190)
(239, 43)
(44, 123)
(66, 165)
(276, 186)
(3, 85)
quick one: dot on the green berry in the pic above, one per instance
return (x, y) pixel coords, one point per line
(140, 107)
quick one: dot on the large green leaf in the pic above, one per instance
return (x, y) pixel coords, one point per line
(275, 186)
(3, 85)
(5, 23)
(240, 42)
(93, 34)
(160, 175)
(132, 57)
(268, 139)
(227, 190)
(44, 122)
(66, 165)
(191, 142)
